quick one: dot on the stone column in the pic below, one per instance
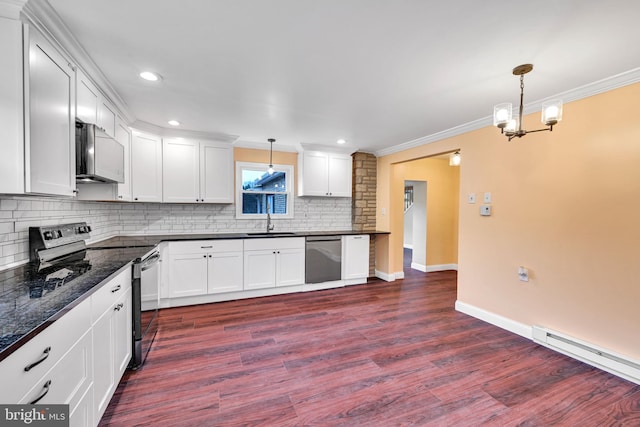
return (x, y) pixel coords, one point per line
(363, 213)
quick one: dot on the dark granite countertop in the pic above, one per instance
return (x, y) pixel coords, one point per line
(33, 296)
(152, 240)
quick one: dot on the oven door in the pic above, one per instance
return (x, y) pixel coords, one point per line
(146, 293)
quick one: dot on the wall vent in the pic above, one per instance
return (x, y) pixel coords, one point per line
(609, 361)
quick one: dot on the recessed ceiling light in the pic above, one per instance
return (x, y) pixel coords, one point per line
(174, 122)
(341, 141)
(148, 75)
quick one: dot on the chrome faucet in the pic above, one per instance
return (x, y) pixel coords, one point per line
(269, 225)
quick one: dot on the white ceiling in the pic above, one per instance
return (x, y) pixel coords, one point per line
(377, 73)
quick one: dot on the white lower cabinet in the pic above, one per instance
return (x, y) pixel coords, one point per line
(204, 267)
(79, 359)
(355, 257)
(111, 324)
(273, 262)
(55, 367)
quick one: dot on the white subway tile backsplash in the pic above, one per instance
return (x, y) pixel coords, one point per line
(17, 214)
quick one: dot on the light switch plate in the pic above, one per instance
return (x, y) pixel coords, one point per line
(487, 197)
(471, 198)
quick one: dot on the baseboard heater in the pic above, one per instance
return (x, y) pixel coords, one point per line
(600, 358)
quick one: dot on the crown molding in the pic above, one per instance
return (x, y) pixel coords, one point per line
(182, 133)
(264, 146)
(605, 85)
(46, 19)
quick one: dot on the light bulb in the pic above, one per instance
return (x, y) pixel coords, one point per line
(512, 125)
(502, 115)
(270, 170)
(454, 160)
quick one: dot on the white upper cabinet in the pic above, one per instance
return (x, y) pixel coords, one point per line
(180, 171)
(197, 171)
(93, 107)
(123, 136)
(324, 174)
(87, 99)
(146, 167)
(107, 117)
(216, 172)
(50, 137)
(11, 107)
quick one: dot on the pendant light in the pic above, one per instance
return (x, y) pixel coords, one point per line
(512, 128)
(271, 141)
(454, 159)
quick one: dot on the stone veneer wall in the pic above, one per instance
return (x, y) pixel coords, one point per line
(107, 219)
(363, 218)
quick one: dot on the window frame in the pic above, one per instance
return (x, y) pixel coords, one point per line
(289, 179)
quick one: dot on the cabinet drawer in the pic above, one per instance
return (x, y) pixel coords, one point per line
(274, 243)
(109, 293)
(58, 338)
(68, 380)
(198, 246)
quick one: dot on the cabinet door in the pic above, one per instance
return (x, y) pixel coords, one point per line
(339, 175)
(50, 141)
(225, 272)
(187, 275)
(107, 117)
(260, 269)
(103, 361)
(146, 168)
(289, 267)
(315, 174)
(68, 380)
(123, 136)
(180, 171)
(12, 117)
(216, 172)
(355, 259)
(87, 99)
(122, 328)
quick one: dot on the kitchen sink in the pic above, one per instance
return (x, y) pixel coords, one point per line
(273, 234)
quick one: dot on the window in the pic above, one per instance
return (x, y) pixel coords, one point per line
(258, 192)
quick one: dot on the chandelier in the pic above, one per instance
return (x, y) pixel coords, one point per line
(271, 141)
(511, 127)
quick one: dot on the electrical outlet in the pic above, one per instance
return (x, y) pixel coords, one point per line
(523, 274)
(487, 197)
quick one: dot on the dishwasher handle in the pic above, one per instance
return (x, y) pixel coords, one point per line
(323, 238)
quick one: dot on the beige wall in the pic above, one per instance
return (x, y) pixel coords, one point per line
(566, 204)
(443, 182)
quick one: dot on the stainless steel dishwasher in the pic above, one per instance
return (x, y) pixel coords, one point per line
(323, 259)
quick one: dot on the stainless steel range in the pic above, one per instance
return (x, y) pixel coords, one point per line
(49, 244)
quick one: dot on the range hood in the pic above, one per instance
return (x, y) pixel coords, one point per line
(99, 157)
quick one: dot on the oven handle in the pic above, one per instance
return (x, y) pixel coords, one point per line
(150, 261)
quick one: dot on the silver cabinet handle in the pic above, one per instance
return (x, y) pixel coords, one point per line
(116, 289)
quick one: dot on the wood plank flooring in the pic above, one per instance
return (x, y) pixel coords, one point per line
(380, 354)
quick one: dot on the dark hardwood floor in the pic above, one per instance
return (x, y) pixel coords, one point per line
(380, 354)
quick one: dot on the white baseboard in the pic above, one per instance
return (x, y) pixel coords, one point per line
(440, 267)
(614, 363)
(419, 267)
(389, 277)
(495, 319)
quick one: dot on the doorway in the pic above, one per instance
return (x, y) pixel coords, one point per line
(415, 225)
